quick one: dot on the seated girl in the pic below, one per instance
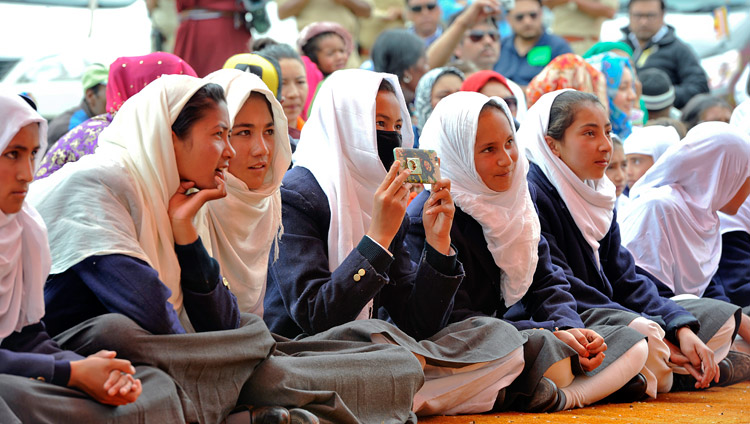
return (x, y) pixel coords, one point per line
(65, 386)
(621, 90)
(644, 147)
(673, 228)
(342, 258)
(433, 87)
(496, 231)
(490, 83)
(567, 132)
(617, 172)
(123, 241)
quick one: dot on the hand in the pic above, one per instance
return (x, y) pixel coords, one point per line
(106, 379)
(183, 207)
(437, 216)
(695, 357)
(587, 343)
(389, 206)
(478, 12)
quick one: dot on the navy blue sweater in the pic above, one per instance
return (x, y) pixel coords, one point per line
(32, 353)
(731, 282)
(548, 300)
(126, 285)
(616, 285)
(304, 297)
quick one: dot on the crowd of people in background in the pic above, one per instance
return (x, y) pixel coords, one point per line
(220, 232)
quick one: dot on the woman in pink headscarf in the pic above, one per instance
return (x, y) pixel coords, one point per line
(127, 76)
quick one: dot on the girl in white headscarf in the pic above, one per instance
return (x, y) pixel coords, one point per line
(263, 155)
(342, 258)
(29, 359)
(644, 147)
(566, 136)
(496, 222)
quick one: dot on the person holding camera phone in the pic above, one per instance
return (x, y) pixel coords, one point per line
(342, 258)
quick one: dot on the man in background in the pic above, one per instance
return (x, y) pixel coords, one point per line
(94, 103)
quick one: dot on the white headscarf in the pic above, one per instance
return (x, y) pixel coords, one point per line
(741, 220)
(651, 141)
(590, 202)
(338, 145)
(241, 227)
(672, 228)
(509, 220)
(115, 201)
(24, 252)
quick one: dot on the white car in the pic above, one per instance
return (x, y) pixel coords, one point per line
(47, 44)
(723, 60)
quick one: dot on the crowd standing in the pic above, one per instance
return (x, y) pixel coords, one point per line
(221, 233)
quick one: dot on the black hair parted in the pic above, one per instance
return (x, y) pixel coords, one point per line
(310, 49)
(207, 96)
(563, 111)
(280, 51)
(386, 85)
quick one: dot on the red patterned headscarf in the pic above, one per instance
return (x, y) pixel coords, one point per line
(479, 79)
(128, 75)
(568, 71)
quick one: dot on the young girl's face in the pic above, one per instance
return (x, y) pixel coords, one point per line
(331, 54)
(446, 85)
(616, 171)
(586, 147)
(17, 168)
(204, 152)
(625, 97)
(387, 112)
(293, 88)
(638, 164)
(253, 139)
(495, 150)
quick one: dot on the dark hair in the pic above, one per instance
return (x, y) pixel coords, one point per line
(386, 85)
(95, 88)
(396, 50)
(262, 43)
(564, 109)
(492, 105)
(207, 96)
(310, 48)
(692, 113)
(259, 95)
(661, 3)
(280, 51)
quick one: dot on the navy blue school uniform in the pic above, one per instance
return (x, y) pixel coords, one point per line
(303, 297)
(123, 284)
(731, 282)
(548, 301)
(32, 353)
(616, 285)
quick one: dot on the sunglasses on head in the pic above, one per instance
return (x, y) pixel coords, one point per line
(418, 8)
(519, 17)
(477, 35)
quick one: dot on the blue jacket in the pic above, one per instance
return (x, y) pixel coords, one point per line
(303, 297)
(517, 68)
(122, 284)
(731, 283)
(32, 353)
(617, 285)
(548, 301)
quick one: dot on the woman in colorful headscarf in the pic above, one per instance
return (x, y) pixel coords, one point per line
(127, 76)
(567, 71)
(621, 92)
(490, 83)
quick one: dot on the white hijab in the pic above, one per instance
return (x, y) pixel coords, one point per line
(672, 229)
(240, 228)
(338, 145)
(509, 220)
(651, 141)
(741, 220)
(590, 202)
(24, 252)
(115, 201)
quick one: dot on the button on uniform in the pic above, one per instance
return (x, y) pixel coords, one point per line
(358, 276)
